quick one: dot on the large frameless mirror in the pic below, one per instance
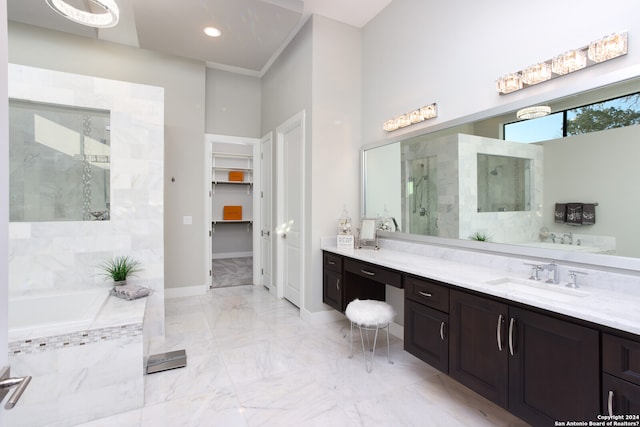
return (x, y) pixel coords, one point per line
(59, 162)
(503, 179)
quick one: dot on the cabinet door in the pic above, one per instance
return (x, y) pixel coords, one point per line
(621, 357)
(426, 334)
(332, 289)
(478, 355)
(553, 369)
(620, 397)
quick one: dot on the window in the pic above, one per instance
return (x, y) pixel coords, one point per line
(613, 113)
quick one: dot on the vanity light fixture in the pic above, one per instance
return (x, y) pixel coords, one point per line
(536, 74)
(416, 116)
(107, 19)
(533, 112)
(604, 49)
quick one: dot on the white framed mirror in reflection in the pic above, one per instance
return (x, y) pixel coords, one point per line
(59, 162)
(429, 182)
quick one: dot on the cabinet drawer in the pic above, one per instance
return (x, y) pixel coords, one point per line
(621, 357)
(619, 397)
(374, 272)
(333, 262)
(427, 292)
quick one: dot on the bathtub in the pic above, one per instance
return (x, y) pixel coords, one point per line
(85, 352)
(46, 314)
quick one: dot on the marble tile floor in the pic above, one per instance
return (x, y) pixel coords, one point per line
(252, 361)
(232, 272)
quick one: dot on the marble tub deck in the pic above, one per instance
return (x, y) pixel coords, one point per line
(252, 361)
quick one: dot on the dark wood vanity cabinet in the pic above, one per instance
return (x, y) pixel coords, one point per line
(332, 285)
(541, 368)
(621, 375)
(345, 279)
(426, 321)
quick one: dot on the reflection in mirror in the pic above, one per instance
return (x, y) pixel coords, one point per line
(503, 183)
(438, 177)
(59, 163)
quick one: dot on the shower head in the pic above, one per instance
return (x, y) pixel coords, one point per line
(494, 172)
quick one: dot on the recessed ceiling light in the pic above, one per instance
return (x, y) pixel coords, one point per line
(212, 32)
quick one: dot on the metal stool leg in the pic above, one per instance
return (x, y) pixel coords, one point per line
(351, 339)
(388, 349)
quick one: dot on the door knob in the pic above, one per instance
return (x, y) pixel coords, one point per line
(284, 235)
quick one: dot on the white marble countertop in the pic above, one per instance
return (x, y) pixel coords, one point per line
(615, 309)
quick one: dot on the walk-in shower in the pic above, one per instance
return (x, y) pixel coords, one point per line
(421, 195)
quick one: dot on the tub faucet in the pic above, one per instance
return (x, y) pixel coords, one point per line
(6, 382)
(570, 236)
(552, 268)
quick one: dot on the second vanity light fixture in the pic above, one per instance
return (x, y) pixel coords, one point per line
(416, 116)
(604, 49)
(107, 19)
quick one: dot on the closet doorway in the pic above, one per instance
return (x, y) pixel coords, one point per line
(232, 209)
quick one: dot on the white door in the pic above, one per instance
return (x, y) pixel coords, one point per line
(291, 179)
(4, 195)
(265, 210)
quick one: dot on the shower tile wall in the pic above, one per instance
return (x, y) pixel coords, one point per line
(64, 255)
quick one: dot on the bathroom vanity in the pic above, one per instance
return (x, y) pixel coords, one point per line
(546, 354)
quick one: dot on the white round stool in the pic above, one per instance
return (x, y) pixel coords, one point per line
(369, 315)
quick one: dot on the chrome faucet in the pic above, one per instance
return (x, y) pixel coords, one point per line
(535, 269)
(552, 268)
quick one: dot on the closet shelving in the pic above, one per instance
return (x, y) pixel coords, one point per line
(228, 192)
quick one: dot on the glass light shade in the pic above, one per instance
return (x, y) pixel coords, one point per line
(533, 112)
(415, 116)
(98, 20)
(569, 62)
(403, 120)
(509, 83)
(429, 111)
(390, 125)
(608, 47)
(536, 73)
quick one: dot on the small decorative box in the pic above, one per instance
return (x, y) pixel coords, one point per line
(345, 241)
(232, 213)
(236, 176)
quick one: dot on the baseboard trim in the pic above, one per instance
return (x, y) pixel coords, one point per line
(186, 291)
(226, 255)
(321, 317)
(328, 316)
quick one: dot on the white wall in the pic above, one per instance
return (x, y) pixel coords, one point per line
(184, 84)
(416, 52)
(233, 104)
(334, 161)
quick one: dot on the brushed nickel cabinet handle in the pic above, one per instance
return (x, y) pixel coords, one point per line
(610, 403)
(512, 324)
(338, 284)
(368, 273)
(332, 263)
(425, 294)
(442, 331)
(499, 332)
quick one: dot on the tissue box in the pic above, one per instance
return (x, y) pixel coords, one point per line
(232, 213)
(236, 176)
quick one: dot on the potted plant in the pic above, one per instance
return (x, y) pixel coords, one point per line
(119, 268)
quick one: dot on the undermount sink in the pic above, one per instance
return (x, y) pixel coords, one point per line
(558, 292)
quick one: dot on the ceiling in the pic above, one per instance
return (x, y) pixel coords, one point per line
(254, 32)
